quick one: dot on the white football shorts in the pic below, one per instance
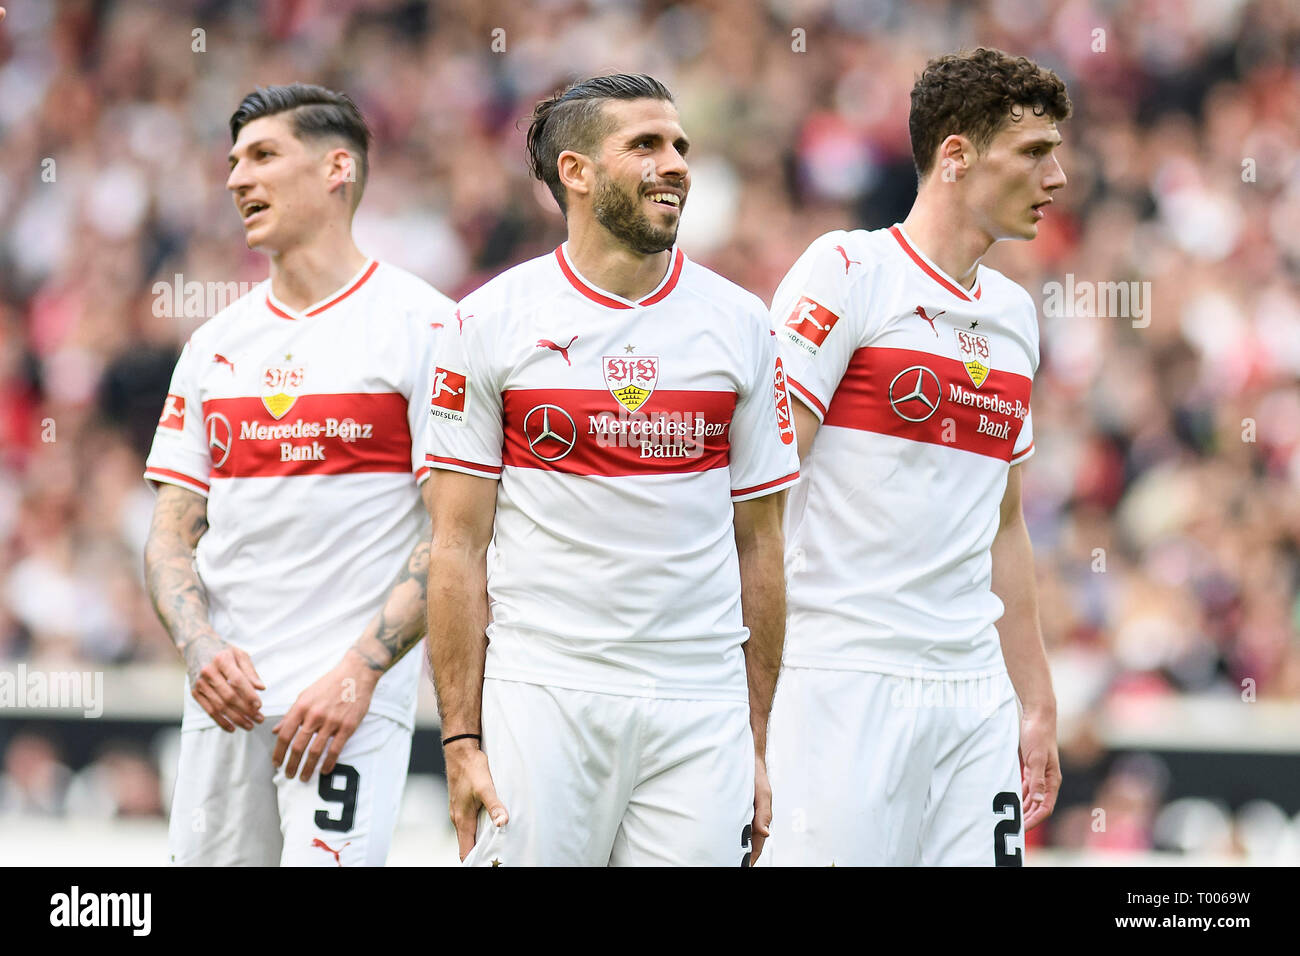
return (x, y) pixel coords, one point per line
(606, 780)
(875, 770)
(232, 808)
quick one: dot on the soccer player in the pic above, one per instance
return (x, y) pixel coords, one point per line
(911, 591)
(287, 555)
(612, 420)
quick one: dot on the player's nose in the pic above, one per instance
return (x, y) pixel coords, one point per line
(672, 164)
(1055, 176)
(239, 178)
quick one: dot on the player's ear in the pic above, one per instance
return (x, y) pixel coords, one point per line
(954, 158)
(341, 169)
(577, 172)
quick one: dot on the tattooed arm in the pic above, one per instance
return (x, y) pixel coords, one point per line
(222, 678)
(401, 622)
(333, 707)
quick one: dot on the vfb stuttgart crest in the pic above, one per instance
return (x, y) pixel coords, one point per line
(973, 348)
(631, 380)
(281, 385)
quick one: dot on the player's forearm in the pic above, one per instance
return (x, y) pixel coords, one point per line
(180, 601)
(762, 595)
(457, 644)
(177, 594)
(1019, 630)
(402, 620)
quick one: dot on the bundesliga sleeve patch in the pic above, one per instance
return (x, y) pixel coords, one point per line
(173, 413)
(448, 396)
(783, 420)
(810, 321)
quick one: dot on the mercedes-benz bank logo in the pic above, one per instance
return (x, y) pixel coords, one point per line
(220, 438)
(550, 432)
(914, 398)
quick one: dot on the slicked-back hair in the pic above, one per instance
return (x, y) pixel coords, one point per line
(315, 113)
(575, 119)
(975, 95)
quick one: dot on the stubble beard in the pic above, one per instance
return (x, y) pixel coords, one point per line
(621, 215)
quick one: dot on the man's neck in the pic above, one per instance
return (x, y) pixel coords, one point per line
(609, 265)
(305, 275)
(948, 236)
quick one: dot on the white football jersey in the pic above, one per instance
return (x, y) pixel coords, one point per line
(923, 390)
(621, 432)
(297, 427)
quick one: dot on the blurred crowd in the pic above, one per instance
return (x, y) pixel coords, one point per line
(1163, 498)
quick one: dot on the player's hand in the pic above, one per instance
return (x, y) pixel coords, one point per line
(1040, 772)
(327, 712)
(469, 786)
(761, 828)
(224, 682)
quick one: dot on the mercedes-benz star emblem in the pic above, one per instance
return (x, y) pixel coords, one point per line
(915, 398)
(550, 432)
(220, 438)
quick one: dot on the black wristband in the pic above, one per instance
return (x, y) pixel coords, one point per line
(447, 740)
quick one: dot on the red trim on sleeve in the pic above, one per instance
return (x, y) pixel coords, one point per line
(767, 484)
(915, 257)
(806, 395)
(1017, 457)
(168, 476)
(421, 472)
(493, 470)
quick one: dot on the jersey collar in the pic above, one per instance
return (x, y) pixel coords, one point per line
(930, 269)
(352, 285)
(608, 299)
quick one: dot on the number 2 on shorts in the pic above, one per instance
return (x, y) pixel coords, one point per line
(1006, 829)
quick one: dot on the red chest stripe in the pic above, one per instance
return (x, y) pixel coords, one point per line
(319, 435)
(930, 398)
(587, 432)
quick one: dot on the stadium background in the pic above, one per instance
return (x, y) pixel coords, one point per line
(1163, 499)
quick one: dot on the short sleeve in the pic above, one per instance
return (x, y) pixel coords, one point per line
(764, 456)
(179, 454)
(817, 315)
(464, 409)
(1025, 440)
(1024, 449)
(433, 322)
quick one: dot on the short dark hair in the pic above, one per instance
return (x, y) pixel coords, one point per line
(575, 119)
(315, 113)
(974, 95)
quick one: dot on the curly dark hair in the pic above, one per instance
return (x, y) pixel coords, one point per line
(575, 119)
(975, 95)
